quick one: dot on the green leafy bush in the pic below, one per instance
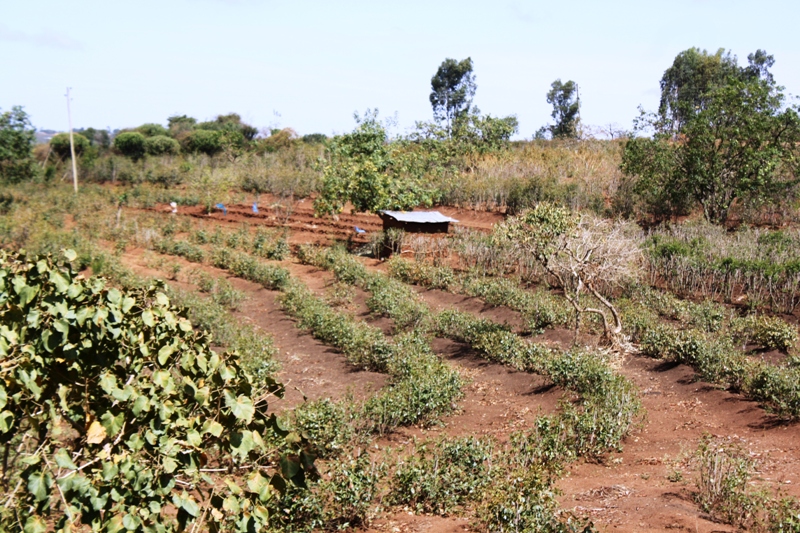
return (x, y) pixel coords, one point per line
(161, 145)
(328, 424)
(203, 141)
(770, 332)
(131, 144)
(113, 404)
(60, 144)
(442, 475)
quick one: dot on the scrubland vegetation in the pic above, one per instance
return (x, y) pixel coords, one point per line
(129, 404)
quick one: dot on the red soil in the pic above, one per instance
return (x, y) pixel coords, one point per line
(630, 491)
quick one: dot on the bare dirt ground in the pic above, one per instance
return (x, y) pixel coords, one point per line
(304, 227)
(646, 487)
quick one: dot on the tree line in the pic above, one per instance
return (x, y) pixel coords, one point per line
(723, 134)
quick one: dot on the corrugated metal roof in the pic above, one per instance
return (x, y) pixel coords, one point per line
(418, 216)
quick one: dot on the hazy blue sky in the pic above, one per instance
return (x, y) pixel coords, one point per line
(310, 65)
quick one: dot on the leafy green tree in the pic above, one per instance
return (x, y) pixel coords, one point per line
(230, 122)
(740, 144)
(161, 145)
(152, 130)
(314, 138)
(452, 89)
(566, 109)
(485, 133)
(60, 144)
(694, 75)
(131, 144)
(203, 141)
(371, 174)
(687, 82)
(98, 138)
(17, 137)
(179, 124)
(120, 417)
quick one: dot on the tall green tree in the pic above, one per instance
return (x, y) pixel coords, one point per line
(452, 89)
(17, 137)
(695, 74)
(367, 171)
(566, 109)
(741, 143)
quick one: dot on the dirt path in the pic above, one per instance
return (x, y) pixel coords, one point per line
(308, 367)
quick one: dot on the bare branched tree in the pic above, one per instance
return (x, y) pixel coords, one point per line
(581, 255)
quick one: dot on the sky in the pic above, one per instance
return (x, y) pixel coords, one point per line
(310, 65)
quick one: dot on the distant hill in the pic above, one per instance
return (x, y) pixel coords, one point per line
(44, 136)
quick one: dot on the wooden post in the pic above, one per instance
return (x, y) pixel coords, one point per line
(72, 147)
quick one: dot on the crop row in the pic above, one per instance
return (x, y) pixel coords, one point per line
(422, 388)
(540, 309)
(606, 402)
(718, 359)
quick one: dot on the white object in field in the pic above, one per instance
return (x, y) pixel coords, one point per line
(174, 207)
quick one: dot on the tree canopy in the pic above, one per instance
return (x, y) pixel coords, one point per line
(371, 174)
(695, 74)
(452, 89)
(566, 109)
(736, 140)
(60, 144)
(17, 137)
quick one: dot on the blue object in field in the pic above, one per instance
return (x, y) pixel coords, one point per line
(222, 206)
(255, 207)
(359, 230)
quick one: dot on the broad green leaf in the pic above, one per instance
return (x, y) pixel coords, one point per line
(241, 407)
(63, 459)
(258, 484)
(115, 524)
(213, 427)
(142, 403)
(112, 423)
(39, 484)
(242, 442)
(147, 318)
(169, 464)
(231, 505)
(3, 397)
(162, 299)
(290, 466)
(27, 294)
(59, 281)
(70, 255)
(127, 303)
(108, 382)
(226, 373)
(201, 395)
(110, 470)
(6, 421)
(114, 296)
(34, 524)
(164, 353)
(190, 506)
(194, 438)
(130, 522)
(62, 326)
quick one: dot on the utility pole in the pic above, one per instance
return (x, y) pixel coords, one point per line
(72, 146)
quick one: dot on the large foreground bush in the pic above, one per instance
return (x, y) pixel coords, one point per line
(115, 413)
